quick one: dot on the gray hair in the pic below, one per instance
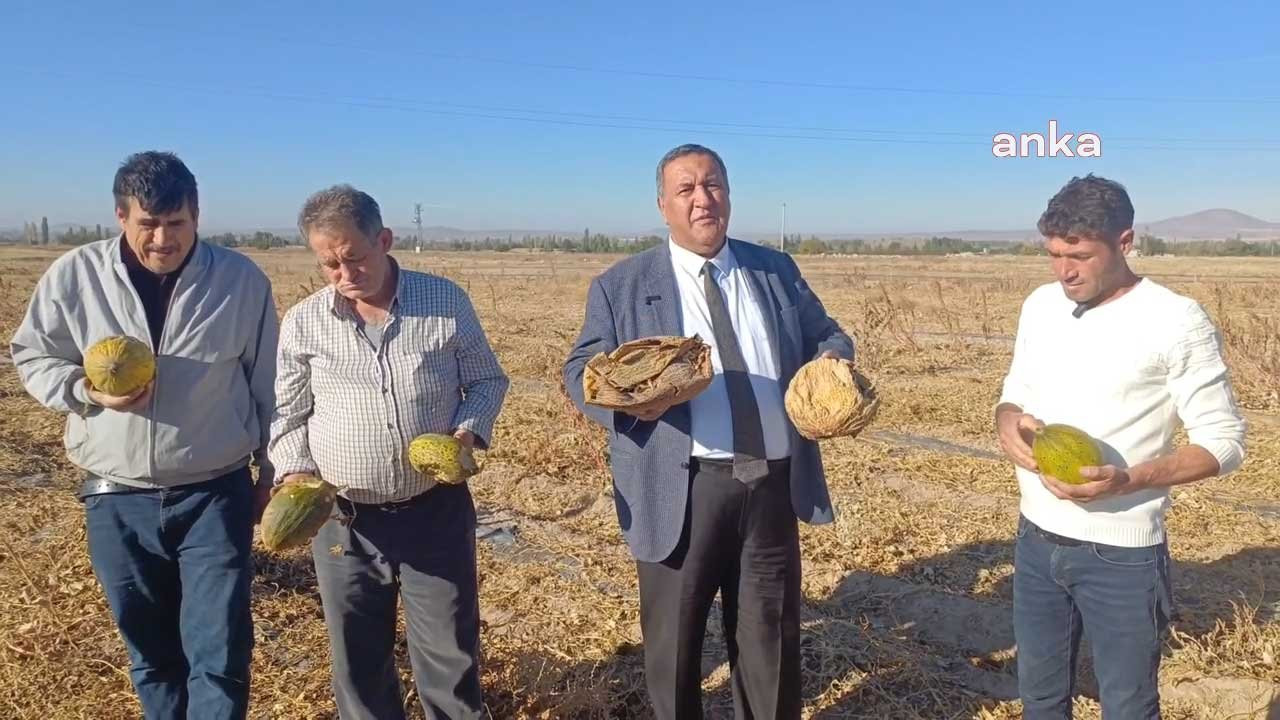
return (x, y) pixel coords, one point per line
(690, 149)
(337, 204)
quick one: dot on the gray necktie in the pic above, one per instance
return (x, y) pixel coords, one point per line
(749, 463)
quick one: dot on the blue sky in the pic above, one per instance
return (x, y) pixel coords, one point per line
(859, 116)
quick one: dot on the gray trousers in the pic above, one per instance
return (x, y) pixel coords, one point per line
(422, 552)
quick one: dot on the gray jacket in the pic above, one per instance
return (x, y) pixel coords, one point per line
(638, 298)
(211, 405)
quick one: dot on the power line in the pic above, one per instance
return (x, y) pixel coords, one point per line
(400, 53)
(626, 122)
(898, 89)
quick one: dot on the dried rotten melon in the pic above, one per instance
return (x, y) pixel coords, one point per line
(829, 398)
(651, 373)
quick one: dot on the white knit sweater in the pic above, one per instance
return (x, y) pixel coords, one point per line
(1126, 372)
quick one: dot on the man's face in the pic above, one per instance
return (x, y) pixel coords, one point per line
(695, 203)
(1088, 268)
(356, 266)
(160, 241)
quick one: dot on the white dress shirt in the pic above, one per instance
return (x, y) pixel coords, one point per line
(712, 426)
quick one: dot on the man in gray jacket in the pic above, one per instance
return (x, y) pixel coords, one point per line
(169, 499)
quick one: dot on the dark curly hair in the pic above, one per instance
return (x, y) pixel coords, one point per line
(1088, 207)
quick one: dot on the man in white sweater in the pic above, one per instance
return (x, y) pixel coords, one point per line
(1124, 359)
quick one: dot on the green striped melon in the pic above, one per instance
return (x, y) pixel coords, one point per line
(1061, 450)
(296, 512)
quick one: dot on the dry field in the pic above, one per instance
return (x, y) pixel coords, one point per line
(907, 594)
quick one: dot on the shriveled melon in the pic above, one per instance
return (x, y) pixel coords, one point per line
(1061, 450)
(296, 512)
(652, 373)
(829, 398)
(119, 365)
(442, 458)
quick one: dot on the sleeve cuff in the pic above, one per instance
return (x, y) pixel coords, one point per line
(81, 393)
(301, 467)
(1230, 455)
(481, 429)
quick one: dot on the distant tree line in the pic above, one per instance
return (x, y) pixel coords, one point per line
(33, 234)
(260, 240)
(1229, 247)
(935, 245)
(588, 242)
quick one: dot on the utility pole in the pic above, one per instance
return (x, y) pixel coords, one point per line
(782, 234)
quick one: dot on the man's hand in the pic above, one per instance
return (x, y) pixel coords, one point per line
(1104, 481)
(290, 478)
(1016, 431)
(832, 354)
(133, 402)
(466, 437)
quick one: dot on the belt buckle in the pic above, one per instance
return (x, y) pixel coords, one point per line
(94, 485)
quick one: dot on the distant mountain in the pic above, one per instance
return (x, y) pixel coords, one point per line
(993, 237)
(1215, 224)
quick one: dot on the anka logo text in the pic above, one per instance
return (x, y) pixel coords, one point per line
(1085, 144)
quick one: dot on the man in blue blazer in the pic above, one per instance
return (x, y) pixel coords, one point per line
(708, 492)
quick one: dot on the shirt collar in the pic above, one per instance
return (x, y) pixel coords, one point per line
(691, 262)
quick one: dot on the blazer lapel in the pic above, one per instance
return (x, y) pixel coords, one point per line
(661, 297)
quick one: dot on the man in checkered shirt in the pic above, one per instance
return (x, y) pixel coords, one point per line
(380, 356)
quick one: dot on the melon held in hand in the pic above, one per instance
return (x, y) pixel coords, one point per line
(119, 365)
(442, 458)
(1061, 450)
(296, 512)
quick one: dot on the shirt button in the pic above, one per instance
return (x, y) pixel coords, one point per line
(384, 391)
(389, 426)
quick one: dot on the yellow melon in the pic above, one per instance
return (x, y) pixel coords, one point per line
(119, 365)
(1061, 450)
(442, 458)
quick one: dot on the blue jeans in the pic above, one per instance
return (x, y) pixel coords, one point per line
(176, 569)
(1119, 596)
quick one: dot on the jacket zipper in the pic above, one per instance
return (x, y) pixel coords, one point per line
(155, 388)
(146, 333)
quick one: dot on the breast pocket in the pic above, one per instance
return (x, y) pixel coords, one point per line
(425, 350)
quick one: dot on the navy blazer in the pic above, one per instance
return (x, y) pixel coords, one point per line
(637, 298)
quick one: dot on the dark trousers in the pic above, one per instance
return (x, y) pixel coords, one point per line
(422, 551)
(176, 570)
(1119, 596)
(744, 543)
